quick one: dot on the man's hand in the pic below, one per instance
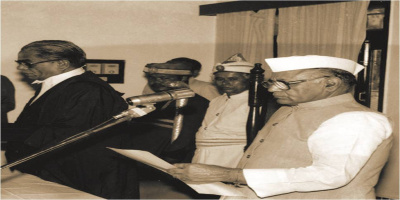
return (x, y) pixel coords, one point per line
(200, 173)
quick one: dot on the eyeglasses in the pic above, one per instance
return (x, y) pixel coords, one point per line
(285, 85)
(30, 65)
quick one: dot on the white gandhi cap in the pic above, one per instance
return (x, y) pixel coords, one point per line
(311, 62)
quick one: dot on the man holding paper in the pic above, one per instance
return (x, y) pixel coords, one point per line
(320, 144)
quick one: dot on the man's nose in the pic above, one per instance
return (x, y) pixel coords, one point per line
(273, 88)
(21, 67)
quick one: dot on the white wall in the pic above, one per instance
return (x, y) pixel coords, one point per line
(139, 32)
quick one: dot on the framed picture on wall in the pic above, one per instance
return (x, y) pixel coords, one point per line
(375, 17)
(111, 68)
(94, 67)
(111, 71)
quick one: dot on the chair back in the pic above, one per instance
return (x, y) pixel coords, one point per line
(261, 103)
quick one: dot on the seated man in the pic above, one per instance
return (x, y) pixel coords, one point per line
(222, 137)
(153, 132)
(321, 144)
(202, 88)
(71, 100)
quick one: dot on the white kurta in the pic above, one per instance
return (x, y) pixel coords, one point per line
(222, 136)
(332, 148)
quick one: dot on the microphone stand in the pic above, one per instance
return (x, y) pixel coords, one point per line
(117, 119)
(254, 124)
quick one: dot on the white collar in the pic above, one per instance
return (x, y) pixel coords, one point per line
(54, 80)
(244, 94)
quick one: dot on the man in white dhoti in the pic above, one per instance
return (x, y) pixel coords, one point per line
(222, 135)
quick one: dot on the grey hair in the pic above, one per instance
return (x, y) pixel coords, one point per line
(348, 78)
(58, 49)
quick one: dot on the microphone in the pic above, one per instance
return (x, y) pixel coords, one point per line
(178, 120)
(168, 95)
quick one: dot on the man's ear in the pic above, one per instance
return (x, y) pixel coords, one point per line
(63, 64)
(333, 83)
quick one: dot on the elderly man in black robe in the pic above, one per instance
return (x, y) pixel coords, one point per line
(71, 100)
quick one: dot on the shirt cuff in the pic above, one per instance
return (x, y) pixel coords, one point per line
(268, 182)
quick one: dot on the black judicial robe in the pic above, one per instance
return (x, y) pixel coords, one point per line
(72, 106)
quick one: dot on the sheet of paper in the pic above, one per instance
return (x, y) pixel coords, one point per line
(148, 158)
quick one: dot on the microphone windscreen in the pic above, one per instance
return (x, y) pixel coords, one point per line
(168, 95)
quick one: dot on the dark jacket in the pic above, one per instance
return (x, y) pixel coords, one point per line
(153, 131)
(70, 107)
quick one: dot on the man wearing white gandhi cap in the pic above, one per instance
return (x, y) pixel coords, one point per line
(313, 61)
(321, 144)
